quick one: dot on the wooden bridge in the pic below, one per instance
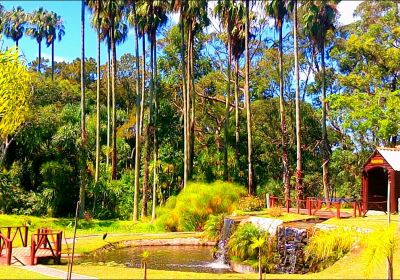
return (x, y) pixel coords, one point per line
(45, 244)
(319, 207)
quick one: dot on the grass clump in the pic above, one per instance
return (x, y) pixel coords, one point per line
(213, 227)
(191, 208)
(251, 203)
(326, 247)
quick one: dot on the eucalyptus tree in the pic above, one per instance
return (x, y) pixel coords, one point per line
(237, 38)
(319, 18)
(14, 24)
(278, 10)
(54, 30)
(224, 9)
(299, 168)
(250, 178)
(37, 29)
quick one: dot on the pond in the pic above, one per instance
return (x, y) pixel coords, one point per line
(179, 258)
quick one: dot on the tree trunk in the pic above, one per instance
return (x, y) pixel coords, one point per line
(138, 121)
(237, 127)
(227, 105)
(325, 143)
(52, 60)
(82, 190)
(148, 134)
(185, 116)
(143, 82)
(97, 171)
(189, 94)
(193, 109)
(114, 113)
(299, 169)
(40, 55)
(16, 44)
(250, 181)
(286, 176)
(155, 141)
(108, 104)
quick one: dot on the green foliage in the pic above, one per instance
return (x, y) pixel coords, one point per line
(14, 93)
(251, 203)
(196, 203)
(327, 246)
(379, 245)
(213, 227)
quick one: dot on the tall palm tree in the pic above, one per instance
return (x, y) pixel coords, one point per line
(224, 10)
(116, 30)
(54, 30)
(155, 11)
(133, 20)
(14, 24)
(95, 6)
(250, 179)
(82, 189)
(278, 10)
(37, 30)
(319, 19)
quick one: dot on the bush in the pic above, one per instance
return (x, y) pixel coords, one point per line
(275, 212)
(213, 227)
(251, 203)
(191, 208)
(326, 247)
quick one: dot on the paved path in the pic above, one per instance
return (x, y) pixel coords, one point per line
(54, 273)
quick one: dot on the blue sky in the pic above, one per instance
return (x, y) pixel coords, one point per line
(70, 46)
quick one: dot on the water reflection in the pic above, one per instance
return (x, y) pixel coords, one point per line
(179, 258)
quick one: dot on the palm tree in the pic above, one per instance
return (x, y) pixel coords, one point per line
(96, 7)
(132, 17)
(319, 19)
(258, 243)
(250, 179)
(54, 29)
(278, 10)
(37, 29)
(224, 10)
(155, 11)
(82, 190)
(14, 24)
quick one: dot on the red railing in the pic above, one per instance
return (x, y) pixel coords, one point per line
(313, 205)
(49, 240)
(6, 244)
(12, 235)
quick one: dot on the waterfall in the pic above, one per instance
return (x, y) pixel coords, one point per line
(220, 256)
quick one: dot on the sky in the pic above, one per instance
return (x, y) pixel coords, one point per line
(69, 47)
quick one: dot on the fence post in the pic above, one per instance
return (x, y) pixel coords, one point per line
(26, 237)
(9, 252)
(267, 200)
(354, 209)
(33, 245)
(308, 202)
(338, 210)
(288, 205)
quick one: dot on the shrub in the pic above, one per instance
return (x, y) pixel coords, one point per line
(191, 208)
(241, 240)
(213, 227)
(275, 212)
(251, 203)
(326, 247)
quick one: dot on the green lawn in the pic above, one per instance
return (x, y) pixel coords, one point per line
(369, 222)
(10, 272)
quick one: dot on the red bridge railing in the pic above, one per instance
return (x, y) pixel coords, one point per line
(6, 245)
(313, 205)
(46, 240)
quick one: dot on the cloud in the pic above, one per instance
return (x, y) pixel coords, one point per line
(346, 11)
(56, 58)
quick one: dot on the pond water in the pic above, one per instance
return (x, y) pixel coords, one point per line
(179, 258)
